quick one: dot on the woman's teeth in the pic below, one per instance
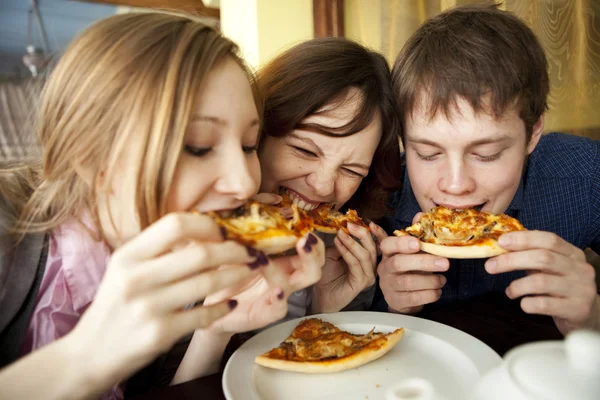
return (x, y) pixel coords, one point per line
(300, 202)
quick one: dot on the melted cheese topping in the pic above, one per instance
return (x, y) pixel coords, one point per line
(317, 340)
(461, 227)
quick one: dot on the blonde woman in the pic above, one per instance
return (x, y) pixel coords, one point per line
(146, 117)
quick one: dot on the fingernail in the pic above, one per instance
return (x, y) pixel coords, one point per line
(232, 304)
(307, 247)
(414, 245)
(223, 232)
(252, 252)
(490, 265)
(280, 295)
(443, 280)
(277, 198)
(441, 263)
(312, 239)
(342, 233)
(504, 240)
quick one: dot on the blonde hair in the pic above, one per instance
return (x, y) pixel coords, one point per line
(127, 76)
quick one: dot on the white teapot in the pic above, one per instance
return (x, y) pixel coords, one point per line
(550, 370)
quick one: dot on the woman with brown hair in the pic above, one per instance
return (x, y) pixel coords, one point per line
(331, 135)
(148, 116)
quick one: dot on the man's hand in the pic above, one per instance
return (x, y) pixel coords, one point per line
(407, 277)
(559, 281)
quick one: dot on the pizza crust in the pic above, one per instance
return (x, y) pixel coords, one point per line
(354, 360)
(487, 249)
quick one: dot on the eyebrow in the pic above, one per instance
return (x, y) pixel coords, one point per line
(309, 141)
(493, 139)
(219, 121)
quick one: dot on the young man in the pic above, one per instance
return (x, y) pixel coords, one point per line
(472, 85)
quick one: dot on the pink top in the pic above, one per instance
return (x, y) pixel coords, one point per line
(74, 269)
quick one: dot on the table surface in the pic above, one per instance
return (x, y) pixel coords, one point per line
(493, 319)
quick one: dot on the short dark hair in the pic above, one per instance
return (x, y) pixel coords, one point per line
(473, 51)
(301, 80)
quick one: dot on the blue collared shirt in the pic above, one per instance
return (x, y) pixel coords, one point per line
(559, 192)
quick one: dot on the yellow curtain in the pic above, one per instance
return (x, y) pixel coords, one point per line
(569, 30)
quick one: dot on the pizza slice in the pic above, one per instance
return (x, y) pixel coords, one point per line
(461, 233)
(262, 226)
(316, 346)
(325, 218)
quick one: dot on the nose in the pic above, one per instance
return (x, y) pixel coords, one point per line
(322, 181)
(239, 175)
(456, 178)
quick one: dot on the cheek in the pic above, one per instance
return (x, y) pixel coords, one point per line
(423, 176)
(186, 189)
(278, 164)
(501, 179)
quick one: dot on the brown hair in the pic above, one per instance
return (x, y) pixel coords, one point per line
(129, 75)
(471, 52)
(300, 81)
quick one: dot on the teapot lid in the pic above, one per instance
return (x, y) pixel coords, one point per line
(558, 370)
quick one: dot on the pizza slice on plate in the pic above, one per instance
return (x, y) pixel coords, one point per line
(461, 233)
(316, 346)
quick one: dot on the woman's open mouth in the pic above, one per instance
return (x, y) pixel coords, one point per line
(299, 200)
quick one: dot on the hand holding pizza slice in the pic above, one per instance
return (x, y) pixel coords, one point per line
(461, 233)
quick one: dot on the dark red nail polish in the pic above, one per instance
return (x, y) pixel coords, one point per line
(262, 258)
(312, 239)
(280, 295)
(307, 247)
(232, 304)
(252, 252)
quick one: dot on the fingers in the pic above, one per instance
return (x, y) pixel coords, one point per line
(366, 242)
(417, 217)
(417, 282)
(405, 300)
(308, 263)
(399, 244)
(267, 198)
(378, 231)
(527, 240)
(568, 309)
(540, 284)
(199, 317)
(401, 263)
(365, 251)
(167, 232)
(196, 287)
(537, 259)
(192, 259)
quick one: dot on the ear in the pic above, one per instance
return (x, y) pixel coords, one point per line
(536, 134)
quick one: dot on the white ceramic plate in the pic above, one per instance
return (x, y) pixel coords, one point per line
(451, 360)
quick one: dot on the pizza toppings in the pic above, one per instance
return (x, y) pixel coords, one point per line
(476, 232)
(265, 228)
(316, 346)
(324, 218)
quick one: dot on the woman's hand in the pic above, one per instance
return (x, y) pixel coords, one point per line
(263, 299)
(140, 308)
(349, 268)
